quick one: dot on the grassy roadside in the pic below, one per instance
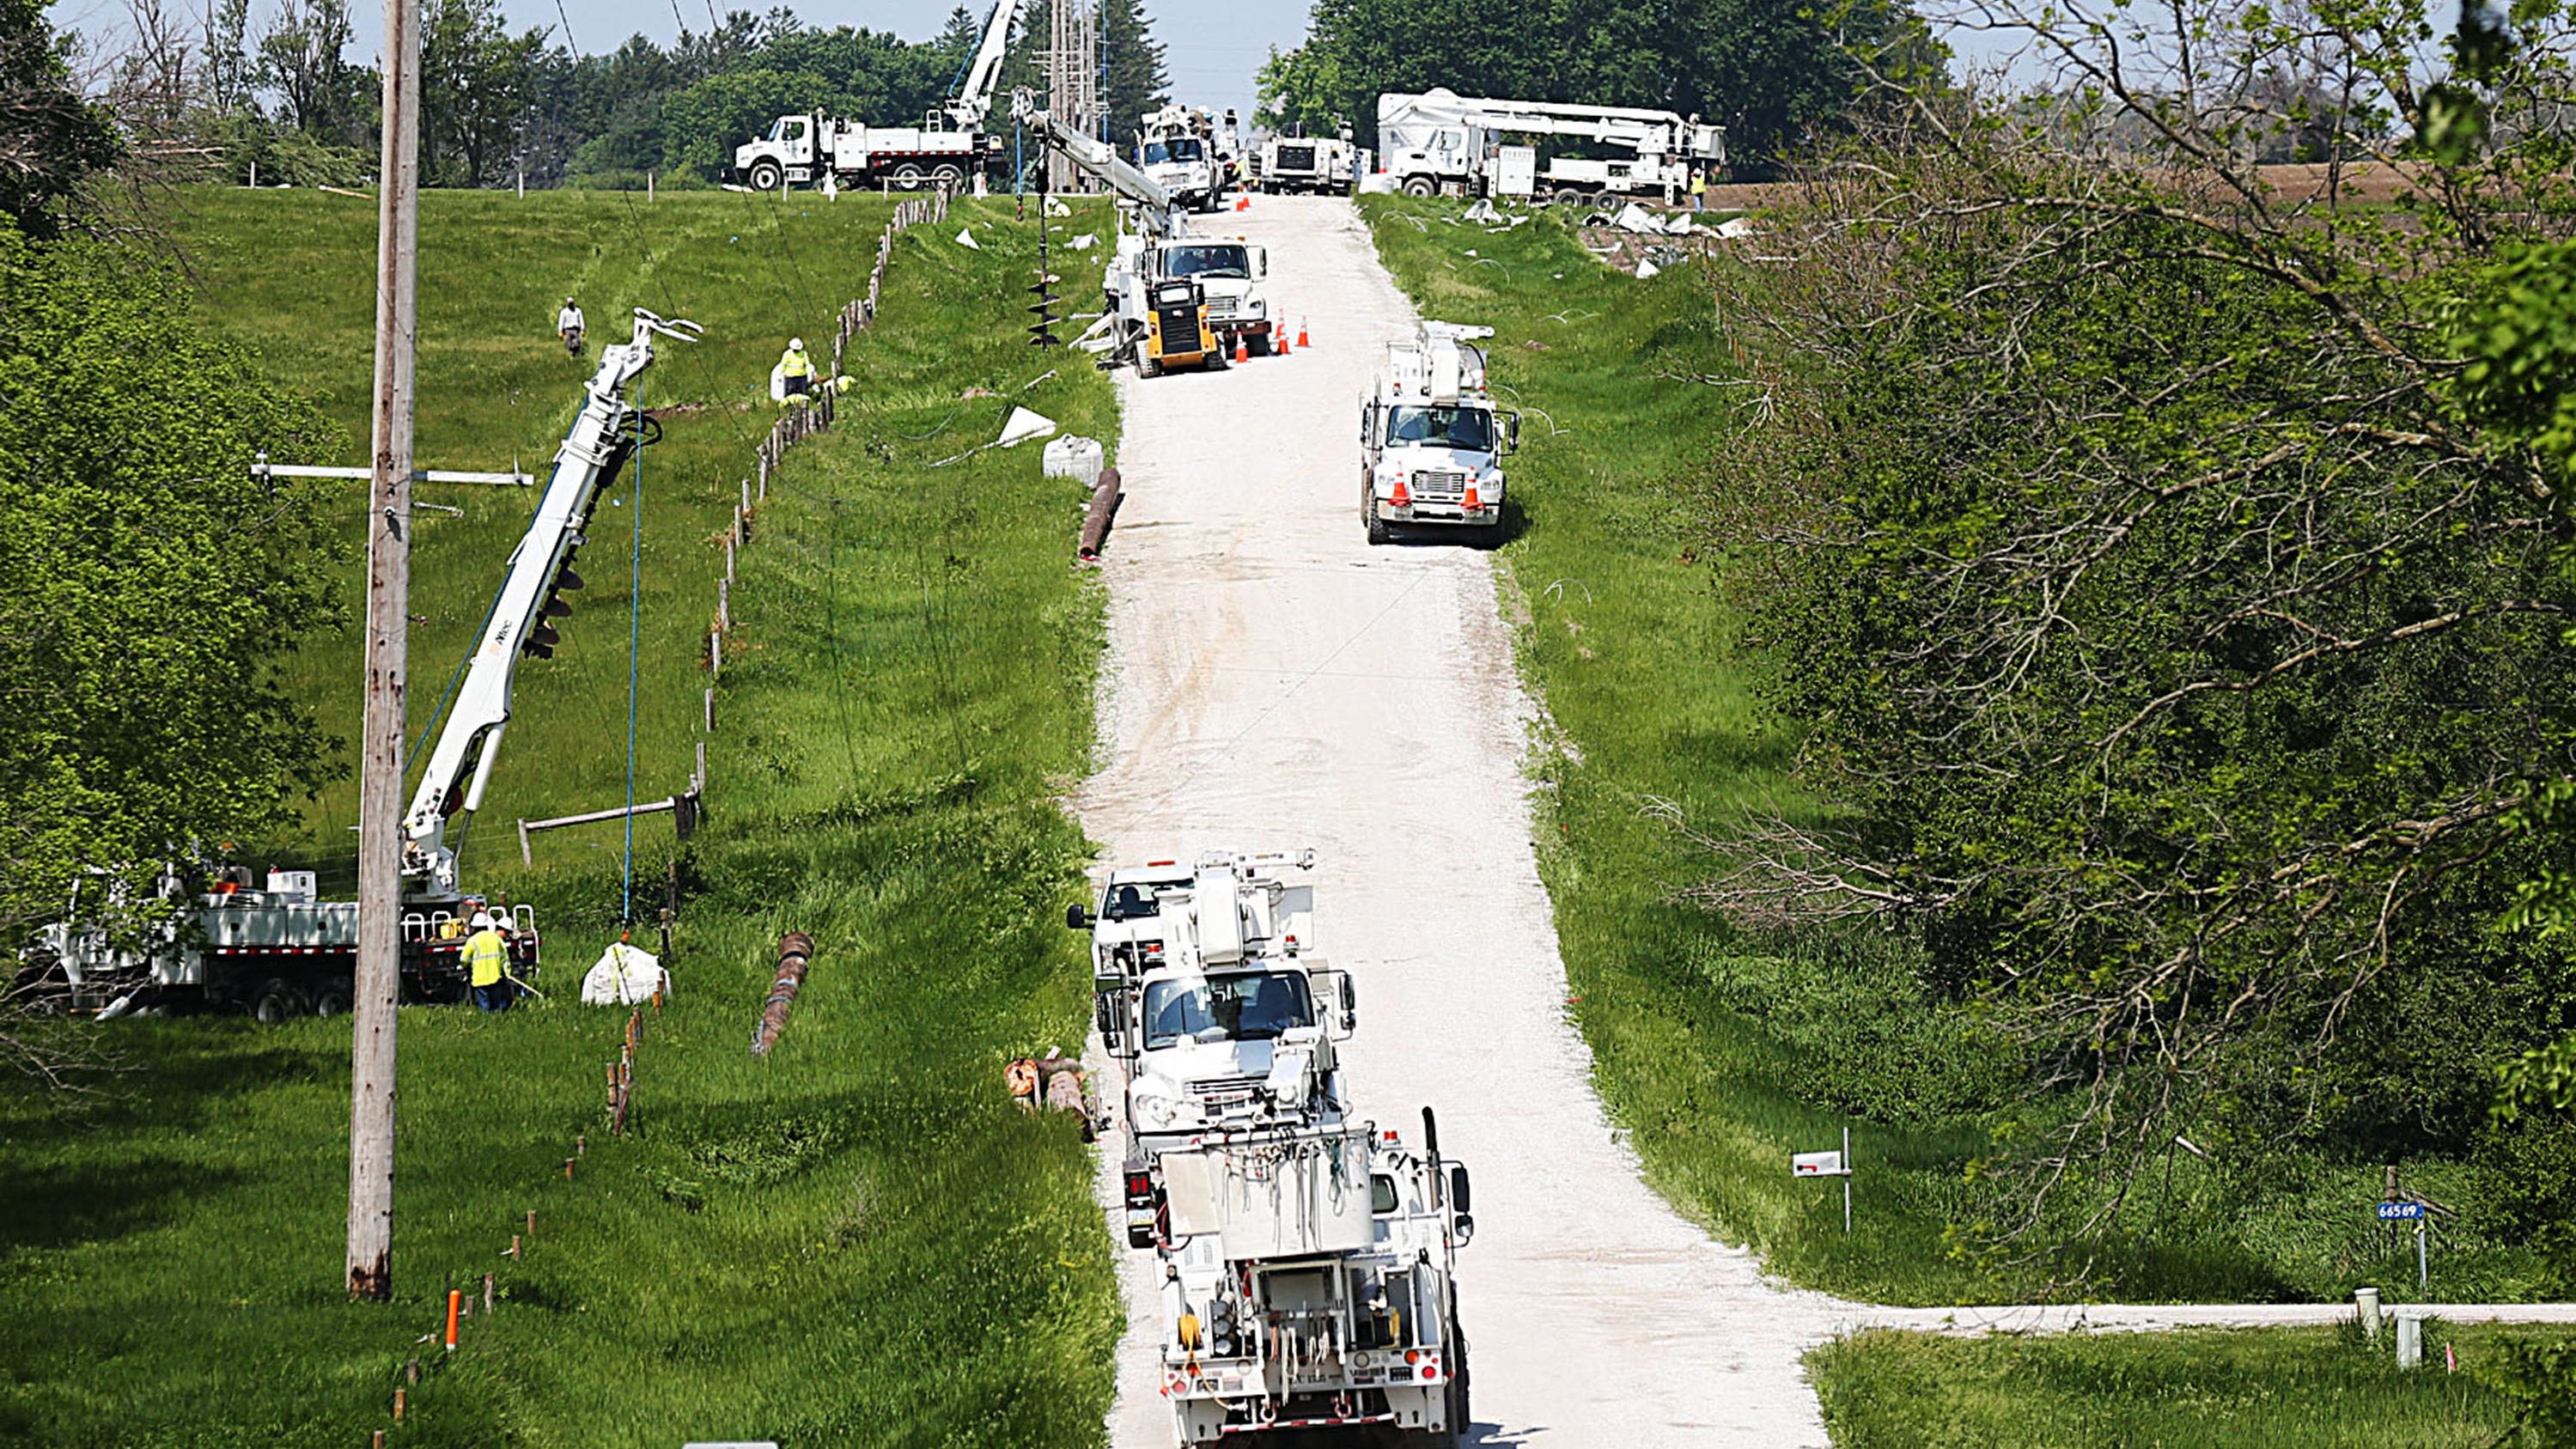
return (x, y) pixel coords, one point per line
(1722, 1052)
(855, 1240)
(2320, 1388)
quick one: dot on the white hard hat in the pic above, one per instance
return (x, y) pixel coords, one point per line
(482, 920)
(795, 344)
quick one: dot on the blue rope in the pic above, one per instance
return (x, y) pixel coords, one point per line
(634, 656)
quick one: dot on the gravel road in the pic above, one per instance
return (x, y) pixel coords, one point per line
(1275, 683)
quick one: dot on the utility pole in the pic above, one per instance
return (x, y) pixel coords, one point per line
(381, 731)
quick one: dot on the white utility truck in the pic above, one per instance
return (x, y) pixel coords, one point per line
(1308, 1284)
(1187, 154)
(1438, 139)
(278, 951)
(1319, 165)
(1431, 440)
(944, 150)
(1169, 299)
(1231, 1024)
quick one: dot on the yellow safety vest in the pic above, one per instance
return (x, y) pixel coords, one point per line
(796, 364)
(487, 955)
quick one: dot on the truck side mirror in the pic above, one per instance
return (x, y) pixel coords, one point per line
(1511, 432)
(1463, 1227)
(1260, 262)
(1078, 917)
(1458, 1186)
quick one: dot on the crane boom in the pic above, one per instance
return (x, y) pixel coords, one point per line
(977, 94)
(460, 765)
(1160, 213)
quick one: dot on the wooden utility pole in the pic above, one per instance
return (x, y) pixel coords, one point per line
(380, 778)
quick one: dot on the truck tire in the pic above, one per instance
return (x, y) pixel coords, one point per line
(1569, 198)
(952, 177)
(1378, 532)
(276, 1001)
(907, 177)
(1422, 186)
(767, 175)
(1147, 365)
(331, 999)
(1259, 342)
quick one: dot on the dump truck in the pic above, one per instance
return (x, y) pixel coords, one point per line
(1431, 439)
(1308, 1284)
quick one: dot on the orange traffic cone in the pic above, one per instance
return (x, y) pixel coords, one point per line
(1242, 349)
(1243, 203)
(1302, 343)
(1281, 345)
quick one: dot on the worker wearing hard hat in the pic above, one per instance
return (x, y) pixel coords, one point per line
(795, 369)
(568, 326)
(487, 964)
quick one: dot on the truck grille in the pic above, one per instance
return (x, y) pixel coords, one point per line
(1221, 307)
(1442, 485)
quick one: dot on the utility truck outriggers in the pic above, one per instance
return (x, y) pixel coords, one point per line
(1431, 440)
(278, 950)
(1309, 1283)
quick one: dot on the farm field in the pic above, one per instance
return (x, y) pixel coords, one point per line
(854, 1240)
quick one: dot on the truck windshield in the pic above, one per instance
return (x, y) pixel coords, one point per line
(1468, 429)
(1179, 148)
(1251, 1006)
(1207, 261)
(1130, 902)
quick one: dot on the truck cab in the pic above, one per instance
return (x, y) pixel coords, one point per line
(1230, 274)
(788, 153)
(1296, 1299)
(1431, 440)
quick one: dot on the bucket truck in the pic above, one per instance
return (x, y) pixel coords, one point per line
(948, 146)
(1189, 155)
(222, 939)
(1172, 299)
(1437, 139)
(1431, 440)
(1308, 1284)
(1321, 165)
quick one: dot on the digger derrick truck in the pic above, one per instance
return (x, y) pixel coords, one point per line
(279, 951)
(1321, 165)
(1308, 1284)
(946, 148)
(1438, 139)
(1225, 1020)
(1162, 288)
(1431, 440)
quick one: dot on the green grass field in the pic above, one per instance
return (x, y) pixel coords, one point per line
(1724, 1052)
(2303, 1388)
(854, 1241)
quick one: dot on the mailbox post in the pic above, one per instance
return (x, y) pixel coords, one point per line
(1828, 1164)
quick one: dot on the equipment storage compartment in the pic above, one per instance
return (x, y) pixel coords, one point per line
(1286, 1197)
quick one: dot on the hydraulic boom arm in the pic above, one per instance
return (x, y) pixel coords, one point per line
(968, 107)
(460, 765)
(1160, 213)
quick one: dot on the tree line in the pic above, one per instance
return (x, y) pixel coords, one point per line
(277, 94)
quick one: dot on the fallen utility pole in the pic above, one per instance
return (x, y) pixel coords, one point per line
(795, 949)
(1104, 506)
(378, 981)
(685, 807)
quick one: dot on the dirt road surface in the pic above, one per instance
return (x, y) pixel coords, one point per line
(1275, 683)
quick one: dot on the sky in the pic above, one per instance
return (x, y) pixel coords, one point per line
(1211, 47)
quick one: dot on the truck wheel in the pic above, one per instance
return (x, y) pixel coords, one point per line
(276, 1001)
(1260, 343)
(1569, 198)
(1148, 365)
(1378, 532)
(766, 175)
(331, 1000)
(907, 177)
(952, 177)
(1421, 186)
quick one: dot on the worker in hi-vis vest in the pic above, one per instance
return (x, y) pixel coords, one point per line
(487, 964)
(796, 368)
